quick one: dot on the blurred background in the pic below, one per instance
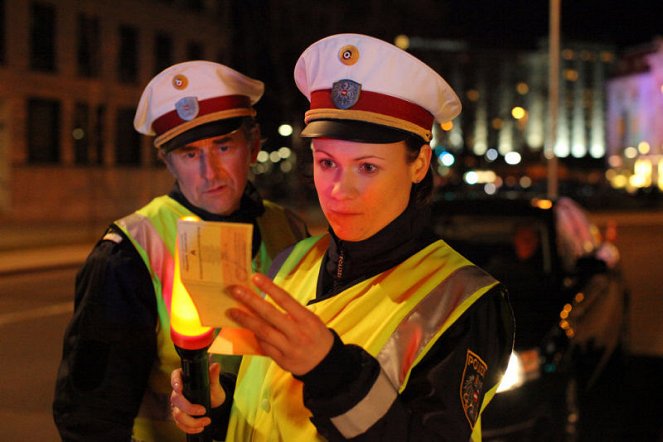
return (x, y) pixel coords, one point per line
(71, 73)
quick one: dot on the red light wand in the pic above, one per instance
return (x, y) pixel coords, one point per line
(191, 341)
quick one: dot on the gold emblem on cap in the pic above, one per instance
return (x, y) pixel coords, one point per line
(180, 82)
(349, 55)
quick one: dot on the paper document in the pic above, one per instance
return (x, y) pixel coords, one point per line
(214, 256)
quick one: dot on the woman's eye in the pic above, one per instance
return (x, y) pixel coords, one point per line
(368, 168)
(190, 154)
(326, 163)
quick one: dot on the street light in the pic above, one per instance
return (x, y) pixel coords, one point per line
(553, 95)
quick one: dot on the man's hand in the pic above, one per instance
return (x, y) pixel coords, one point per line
(294, 337)
(184, 412)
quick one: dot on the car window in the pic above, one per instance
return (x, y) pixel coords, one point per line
(487, 241)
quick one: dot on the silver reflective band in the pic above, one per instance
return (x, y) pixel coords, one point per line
(369, 410)
(432, 315)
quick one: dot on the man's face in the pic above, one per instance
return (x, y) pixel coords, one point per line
(212, 172)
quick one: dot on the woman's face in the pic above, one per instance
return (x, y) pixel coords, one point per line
(362, 187)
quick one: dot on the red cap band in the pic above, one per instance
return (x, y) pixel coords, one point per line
(170, 120)
(379, 104)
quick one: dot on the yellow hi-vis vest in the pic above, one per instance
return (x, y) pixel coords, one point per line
(153, 231)
(396, 316)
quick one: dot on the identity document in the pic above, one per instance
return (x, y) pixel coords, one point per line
(214, 256)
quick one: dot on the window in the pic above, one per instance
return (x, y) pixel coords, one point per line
(43, 131)
(3, 30)
(194, 5)
(127, 69)
(99, 134)
(127, 148)
(89, 46)
(80, 133)
(42, 37)
(163, 52)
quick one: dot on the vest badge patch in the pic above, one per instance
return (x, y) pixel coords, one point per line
(471, 386)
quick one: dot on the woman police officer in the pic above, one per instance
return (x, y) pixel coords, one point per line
(377, 330)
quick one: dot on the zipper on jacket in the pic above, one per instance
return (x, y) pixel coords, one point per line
(339, 269)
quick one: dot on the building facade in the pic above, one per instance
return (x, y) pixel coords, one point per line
(635, 119)
(71, 74)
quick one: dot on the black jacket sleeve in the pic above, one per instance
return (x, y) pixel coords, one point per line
(109, 346)
(431, 407)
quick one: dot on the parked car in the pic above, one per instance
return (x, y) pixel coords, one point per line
(568, 299)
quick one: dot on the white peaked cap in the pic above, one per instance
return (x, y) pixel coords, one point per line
(360, 78)
(190, 94)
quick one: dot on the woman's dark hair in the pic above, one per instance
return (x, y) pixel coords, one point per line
(422, 192)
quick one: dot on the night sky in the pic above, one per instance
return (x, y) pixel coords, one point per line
(522, 23)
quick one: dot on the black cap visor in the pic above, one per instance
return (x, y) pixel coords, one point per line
(357, 131)
(207, 130)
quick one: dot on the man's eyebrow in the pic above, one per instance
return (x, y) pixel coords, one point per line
(221, 140)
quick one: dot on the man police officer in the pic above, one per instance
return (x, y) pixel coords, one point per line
(113, 380)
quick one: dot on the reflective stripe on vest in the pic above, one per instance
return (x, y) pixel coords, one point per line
(416, 302)
(410, 342)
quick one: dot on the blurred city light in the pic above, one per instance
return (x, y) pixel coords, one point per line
(630, 152)
(263, 156)
(284, 152)
(447, 126)
(402, 41)
(446, 159)
(492, 154)
(285, 130)
(78, 134)
(512, 158)
(518, 112)
(644, 147)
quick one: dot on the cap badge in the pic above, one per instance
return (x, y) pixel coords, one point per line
(180, 82)
(187, 108)
(345, 93)
(349, 55)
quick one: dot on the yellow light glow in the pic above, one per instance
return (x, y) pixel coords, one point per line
(542, 203)
(660, 175)
(630, 152)
(402, 41)
(644, 169)
(522, 88)
(496, 123)
(518, 112)
(615, 161)
(619, 181)
(447, 126)
(472, 95)
(184, 319)
(570, 74)
(644, 147)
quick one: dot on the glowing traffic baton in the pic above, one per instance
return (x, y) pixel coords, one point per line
(191, 340)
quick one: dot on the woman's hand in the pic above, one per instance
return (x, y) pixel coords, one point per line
(294, 337)
(184, 412)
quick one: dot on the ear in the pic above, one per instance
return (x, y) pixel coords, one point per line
(167, 161)
(256, 143)
(421, 164)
